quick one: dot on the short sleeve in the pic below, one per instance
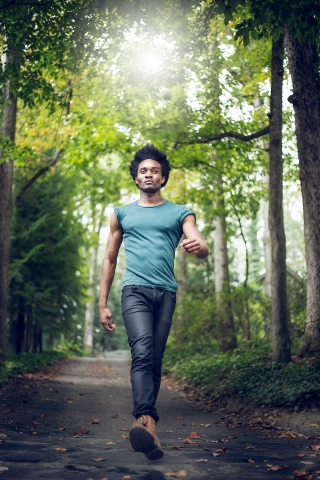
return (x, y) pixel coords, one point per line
(117, 214)
(184, 212)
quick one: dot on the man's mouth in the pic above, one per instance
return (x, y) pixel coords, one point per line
(148, 182)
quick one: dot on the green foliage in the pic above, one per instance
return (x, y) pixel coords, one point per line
(195, 325)
(261, 18)
(249, 373)
(20, 364)
(47, 270)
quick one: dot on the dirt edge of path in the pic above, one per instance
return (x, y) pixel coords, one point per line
(306, 421)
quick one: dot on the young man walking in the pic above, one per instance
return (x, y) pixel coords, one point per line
(151, 229)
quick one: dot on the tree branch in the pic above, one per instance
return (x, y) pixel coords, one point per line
(28, 4)
(237, 136)
(38, 174)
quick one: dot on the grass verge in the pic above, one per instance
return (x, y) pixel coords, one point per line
(29, 362)
(248, 373)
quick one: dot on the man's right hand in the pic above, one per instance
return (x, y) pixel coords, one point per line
(106, 319)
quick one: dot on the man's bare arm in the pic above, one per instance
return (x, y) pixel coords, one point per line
(107, 274)
(194, 243)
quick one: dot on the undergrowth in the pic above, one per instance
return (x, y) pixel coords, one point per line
(29, 362)
(249, 373)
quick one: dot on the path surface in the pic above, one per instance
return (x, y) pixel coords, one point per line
(50, 430)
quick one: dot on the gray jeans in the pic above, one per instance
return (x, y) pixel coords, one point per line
(147, 314)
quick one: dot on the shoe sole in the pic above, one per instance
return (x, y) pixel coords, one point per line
(142, 441)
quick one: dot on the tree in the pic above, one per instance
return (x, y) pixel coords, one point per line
(38, 40)
(299, 20)
(47, 268)
(279, 304)
(228, 340)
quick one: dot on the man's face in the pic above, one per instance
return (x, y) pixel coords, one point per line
(149, 177)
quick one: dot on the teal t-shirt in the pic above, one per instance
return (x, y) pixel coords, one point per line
(151, 236)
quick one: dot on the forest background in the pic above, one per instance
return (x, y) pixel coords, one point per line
(84, 85)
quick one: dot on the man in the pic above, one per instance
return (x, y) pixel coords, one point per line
(151, 228)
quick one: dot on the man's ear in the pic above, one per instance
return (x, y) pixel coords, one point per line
(163, 180)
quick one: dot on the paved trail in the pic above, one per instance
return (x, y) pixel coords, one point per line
(50, 430)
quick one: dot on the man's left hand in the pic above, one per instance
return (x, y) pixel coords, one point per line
(191, 246)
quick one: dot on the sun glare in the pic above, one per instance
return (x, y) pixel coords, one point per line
(147, 54)
(149, 60)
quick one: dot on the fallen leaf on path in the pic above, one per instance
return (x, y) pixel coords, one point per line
(110, 443)
(221, 450)
(3, 435)
(169, 431)
(215, 454)
(34, 433)
(99, 459)
(223, 440)
(126, 476)
(205, 424)
(304, 462)
(176, 447)
(115, 416)
(84, 431)
(125, 436)
(249, 446)
(180, 474)
(61, 449)
(302, 454)
(80, 394)
(201, 460)
(42, 415)
(95, 420)
(3, 469)
(62, 428)
(275, 468)
(179, 418)
(249, 460)
(194, 435)
(187, 440)
(300, 473)
(313, 425)
(124, 429)
(315, 448)
(193, 424)
(75, 433)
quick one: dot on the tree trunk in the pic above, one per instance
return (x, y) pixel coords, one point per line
(228, 340)
(267, 241)
(37, 339)
(27, 341)
(20, 326)
(8, 129)
(303, 63)
(181, 273)
(279, 304)
(89, 315)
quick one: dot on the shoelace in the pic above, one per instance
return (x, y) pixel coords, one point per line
(143, 420)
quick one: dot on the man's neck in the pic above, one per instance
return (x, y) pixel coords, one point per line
(150, 199)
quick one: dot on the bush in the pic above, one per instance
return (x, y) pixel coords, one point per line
(20, 364)
(249, 373)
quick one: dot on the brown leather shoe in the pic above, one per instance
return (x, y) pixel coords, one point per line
(143, 438)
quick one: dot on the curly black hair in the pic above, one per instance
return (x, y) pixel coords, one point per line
(153, 153)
